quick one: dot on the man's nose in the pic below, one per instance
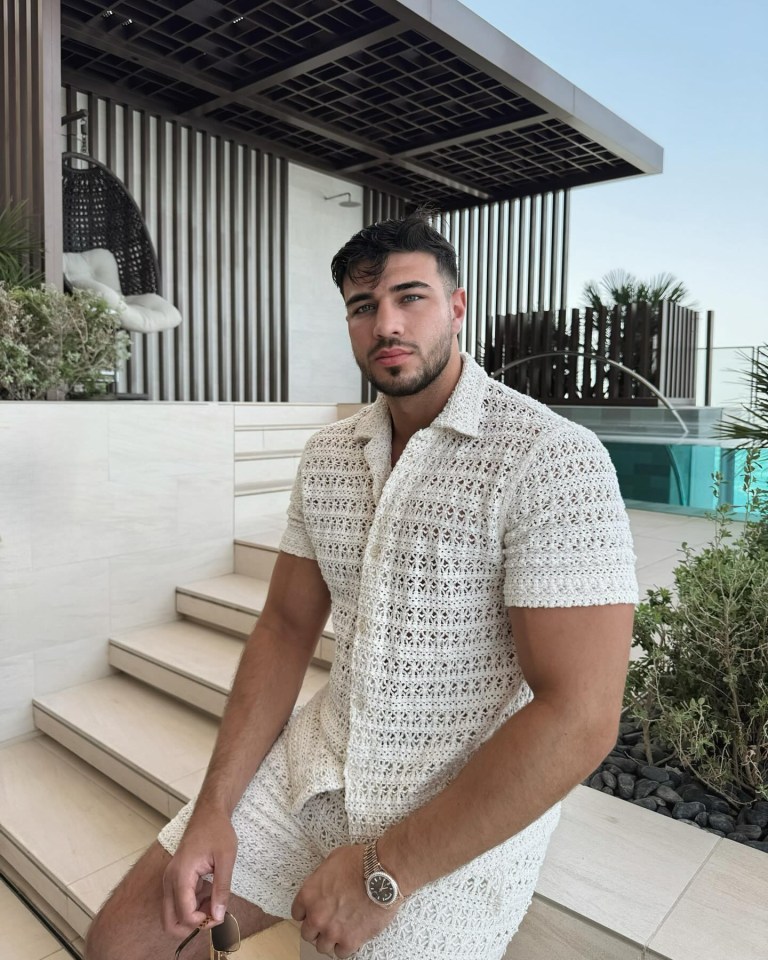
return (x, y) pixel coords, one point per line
(389, 320)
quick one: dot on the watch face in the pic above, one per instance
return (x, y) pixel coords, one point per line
(381, 889)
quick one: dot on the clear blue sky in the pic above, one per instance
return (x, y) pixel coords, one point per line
(693, 76)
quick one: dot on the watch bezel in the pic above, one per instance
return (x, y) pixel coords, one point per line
(391, 880)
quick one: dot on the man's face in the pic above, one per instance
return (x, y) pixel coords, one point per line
(404, 328)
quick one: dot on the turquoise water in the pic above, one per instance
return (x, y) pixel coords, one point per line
(678, 475)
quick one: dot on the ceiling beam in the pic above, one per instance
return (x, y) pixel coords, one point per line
(457, 141)
(303, 66)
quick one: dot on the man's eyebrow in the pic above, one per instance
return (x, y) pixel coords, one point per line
(396, 288)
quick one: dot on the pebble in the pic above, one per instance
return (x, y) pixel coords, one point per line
(721, 821)
(691, 823)
(717, 833)
(626, 785)
(667, 794)
(702, 819)
(758, 817)
(644, 788)
(717, 804)
(609, 779)
(648, 802)
(654, 773)
(691, 791)
(687, 811)
(626, 764)
(749, 830)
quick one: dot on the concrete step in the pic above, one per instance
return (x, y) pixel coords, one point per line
(284, 414)
(232, 603)
(70, 853)
(253, 468)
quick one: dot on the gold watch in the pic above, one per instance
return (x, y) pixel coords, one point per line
(380, 885)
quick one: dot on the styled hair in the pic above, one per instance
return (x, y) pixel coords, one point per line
(364, 256)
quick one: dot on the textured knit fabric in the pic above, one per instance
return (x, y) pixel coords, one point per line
(471, 913)
(498, 503)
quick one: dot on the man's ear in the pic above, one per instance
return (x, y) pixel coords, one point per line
(458, 308)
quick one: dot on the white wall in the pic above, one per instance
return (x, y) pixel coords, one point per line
(321, 365)
(104, 508)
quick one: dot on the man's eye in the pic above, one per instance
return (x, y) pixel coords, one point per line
(412, 296)
(363, 308)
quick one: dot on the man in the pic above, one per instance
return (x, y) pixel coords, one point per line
(475, 552)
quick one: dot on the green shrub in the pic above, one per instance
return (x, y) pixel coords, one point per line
(701, 684)
(51, 340)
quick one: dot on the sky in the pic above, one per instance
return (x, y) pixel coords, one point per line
(693, 76)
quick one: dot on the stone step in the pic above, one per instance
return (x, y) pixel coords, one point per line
(72, 852)
(254, 559)
(255, 468)
(258, 439)
(151, 744)
(191, 662)
(232, 603)
(250, 506)
(284, 414)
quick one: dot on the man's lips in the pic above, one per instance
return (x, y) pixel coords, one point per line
(390, 358)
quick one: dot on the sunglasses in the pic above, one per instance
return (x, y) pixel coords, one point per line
(225, 939)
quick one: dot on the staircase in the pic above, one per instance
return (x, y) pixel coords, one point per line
(116, 757)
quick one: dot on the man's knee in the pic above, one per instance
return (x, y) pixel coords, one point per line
(129, 923)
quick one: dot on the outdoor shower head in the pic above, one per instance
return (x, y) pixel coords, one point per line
(344, 203)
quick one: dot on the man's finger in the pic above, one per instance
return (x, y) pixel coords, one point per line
(220, 888)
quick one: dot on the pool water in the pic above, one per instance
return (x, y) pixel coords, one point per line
(655, 472)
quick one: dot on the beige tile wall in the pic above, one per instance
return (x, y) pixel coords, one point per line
(104, 508)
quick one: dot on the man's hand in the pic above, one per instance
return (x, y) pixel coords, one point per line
(336, 913)
(209, 846)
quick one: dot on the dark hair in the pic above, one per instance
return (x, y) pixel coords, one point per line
(364, 257)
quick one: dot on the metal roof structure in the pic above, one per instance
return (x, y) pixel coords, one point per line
(423, 100)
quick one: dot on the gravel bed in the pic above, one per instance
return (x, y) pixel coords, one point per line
(671, 791)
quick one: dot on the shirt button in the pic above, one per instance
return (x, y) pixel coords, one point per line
(375, 551)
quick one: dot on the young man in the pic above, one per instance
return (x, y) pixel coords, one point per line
(476, 555)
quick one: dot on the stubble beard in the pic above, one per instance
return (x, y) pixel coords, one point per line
(395, 384)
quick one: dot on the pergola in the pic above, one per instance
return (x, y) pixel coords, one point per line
(416, 99)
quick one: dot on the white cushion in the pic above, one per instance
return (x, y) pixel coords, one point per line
(96, 270)
(92, 265)
(147, 313)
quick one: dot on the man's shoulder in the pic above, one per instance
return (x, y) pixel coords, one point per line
(508, 414)
(338, 434)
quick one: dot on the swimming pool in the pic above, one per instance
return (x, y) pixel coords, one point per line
(659, 468)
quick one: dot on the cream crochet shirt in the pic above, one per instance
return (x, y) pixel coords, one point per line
(498, 503)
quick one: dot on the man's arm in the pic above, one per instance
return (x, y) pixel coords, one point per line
(264, 691)
(575, 661)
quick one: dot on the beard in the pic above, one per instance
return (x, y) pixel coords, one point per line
(394, 383)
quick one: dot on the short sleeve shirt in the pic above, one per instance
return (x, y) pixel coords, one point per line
(498, 503)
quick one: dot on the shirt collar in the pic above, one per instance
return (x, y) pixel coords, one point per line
(461, 413)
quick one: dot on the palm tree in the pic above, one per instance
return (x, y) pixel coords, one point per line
(751, 430)
(620, 288)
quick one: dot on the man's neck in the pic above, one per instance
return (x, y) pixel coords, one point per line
(414, 413)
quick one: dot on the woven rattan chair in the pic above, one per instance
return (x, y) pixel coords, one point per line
(102, 218)
(100, 212)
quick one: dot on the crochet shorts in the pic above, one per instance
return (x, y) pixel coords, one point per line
(471, 913)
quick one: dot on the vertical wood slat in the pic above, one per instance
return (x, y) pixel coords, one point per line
(202, 199)
(30, 122)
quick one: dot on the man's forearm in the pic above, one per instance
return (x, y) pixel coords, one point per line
(529, 764)
(264, 691)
